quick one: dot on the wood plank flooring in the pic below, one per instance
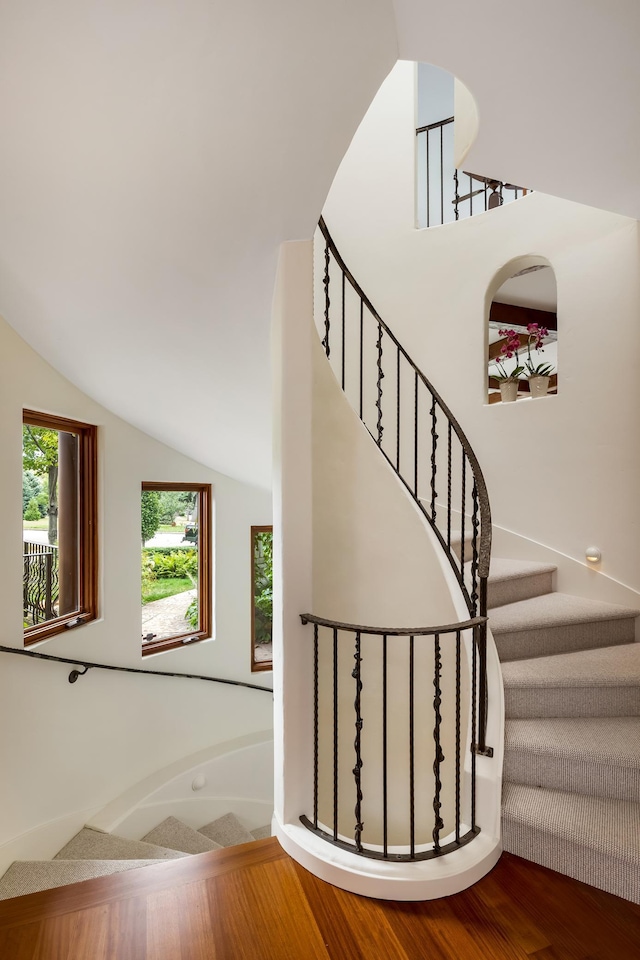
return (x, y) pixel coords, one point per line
(255, 903)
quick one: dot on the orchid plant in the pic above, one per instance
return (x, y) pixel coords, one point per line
(537, 336)
(508, 350)
(511, 347)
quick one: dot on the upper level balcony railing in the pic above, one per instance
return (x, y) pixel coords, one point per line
(445, 194)
(40, 582)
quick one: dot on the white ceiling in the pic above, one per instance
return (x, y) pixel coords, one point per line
(155, 155)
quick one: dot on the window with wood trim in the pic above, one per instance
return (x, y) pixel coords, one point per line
(261, 597)
(59, 509)
(175, 526)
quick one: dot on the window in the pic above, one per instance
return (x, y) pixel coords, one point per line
(261, 597)
(523, 334)
(59, 509)
(175, 521)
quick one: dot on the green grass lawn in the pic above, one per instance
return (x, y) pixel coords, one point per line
(42, 524)
(158, 589)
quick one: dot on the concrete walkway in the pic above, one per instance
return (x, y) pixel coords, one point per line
(166, 617)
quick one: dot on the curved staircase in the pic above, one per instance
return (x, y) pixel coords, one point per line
(571, 782)
(91, 853)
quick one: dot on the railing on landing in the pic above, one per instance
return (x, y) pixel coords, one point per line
(401, 410)
(446, 194)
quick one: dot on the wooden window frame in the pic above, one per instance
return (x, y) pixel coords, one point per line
(87, 561)
(257, 666)
(205, 569)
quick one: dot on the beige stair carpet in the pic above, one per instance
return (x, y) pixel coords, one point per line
(30, 876)
(261, 832)
(559, 623)
(227, 831)
(598, 757)
(514, 580)
(176, 835)
(91, 844)
(596, 683)
(587, 838)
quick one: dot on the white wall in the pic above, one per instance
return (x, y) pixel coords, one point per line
(565, 470)
(73, 748)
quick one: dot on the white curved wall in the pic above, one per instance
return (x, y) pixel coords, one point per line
(565, 470)
(73, 748)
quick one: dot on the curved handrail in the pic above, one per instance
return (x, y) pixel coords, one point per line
(484, 549)
(394, 631)
(91, 665)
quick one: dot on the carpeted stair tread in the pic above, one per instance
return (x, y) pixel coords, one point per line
(595, 756)
(598, 683)
(588, 838)
(227, 831)
(91, 844)
(176, 835)
(513, 580)
(261, 832)
(29, 876)
(559, 623)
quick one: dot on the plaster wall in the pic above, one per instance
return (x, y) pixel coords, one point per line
(564, 470)
(73, 748)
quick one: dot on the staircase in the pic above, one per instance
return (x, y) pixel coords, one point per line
(571, 785)
(94, 854)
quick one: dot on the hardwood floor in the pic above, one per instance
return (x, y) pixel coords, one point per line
(255, 903)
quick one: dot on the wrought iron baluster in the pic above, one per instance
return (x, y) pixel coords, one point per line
(398, 411)
(439, 756)
(474, 551)
(412, 779)
(361, 352)
(449, 428)
(463, 513)
(343, 329)
(327, 301)
(335, 734)
(456, 195)
(316, 736)
(415, 438)
(380, 428)
(458, 737)
(434, 444)
(474, 708)
(441, 175)
(428, 184)
(385, 822)
(356, 674)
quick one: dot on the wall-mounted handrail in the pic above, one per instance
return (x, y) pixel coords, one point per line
(91, 665)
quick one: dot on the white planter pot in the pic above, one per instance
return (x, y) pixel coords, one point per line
(538, 386)
(509, 390)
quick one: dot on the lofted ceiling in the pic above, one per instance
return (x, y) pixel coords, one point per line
(155, 155)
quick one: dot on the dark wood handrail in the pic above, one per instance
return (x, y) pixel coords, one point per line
(395, 631)
(434, 126)
(91, 665)
(484, 548)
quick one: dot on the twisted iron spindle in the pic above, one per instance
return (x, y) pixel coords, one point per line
(327, 301)
(380, 428)
(439, 756)
(434, 444)
(357, 745)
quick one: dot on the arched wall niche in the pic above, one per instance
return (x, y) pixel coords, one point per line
(521, 357)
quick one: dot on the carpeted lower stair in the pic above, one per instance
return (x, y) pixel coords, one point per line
(93, 854)
(571, 671)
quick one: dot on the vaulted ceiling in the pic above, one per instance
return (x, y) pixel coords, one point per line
(155, 155)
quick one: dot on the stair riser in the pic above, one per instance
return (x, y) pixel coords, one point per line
(572, 775)
(520, 588)
(600, 701)
(566, 638)
(581, 863)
